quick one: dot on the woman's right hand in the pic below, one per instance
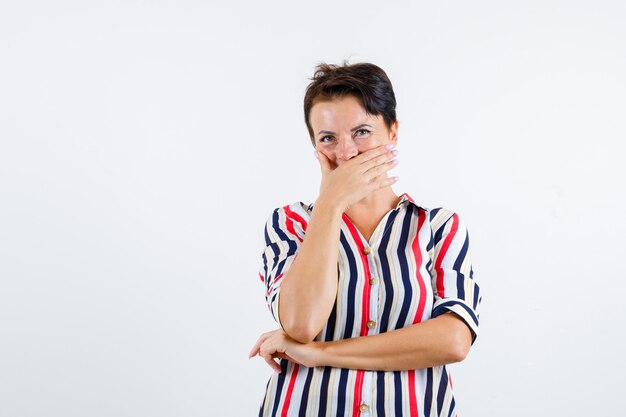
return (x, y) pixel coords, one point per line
(356, 178)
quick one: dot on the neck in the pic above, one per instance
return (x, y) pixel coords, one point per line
(381, 200)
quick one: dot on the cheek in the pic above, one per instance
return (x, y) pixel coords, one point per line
(368, 143)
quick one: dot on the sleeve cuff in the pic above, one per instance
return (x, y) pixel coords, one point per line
(467, 314)
(274, 309)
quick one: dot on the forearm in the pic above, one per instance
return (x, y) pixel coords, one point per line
(439, 341)
(309, 288)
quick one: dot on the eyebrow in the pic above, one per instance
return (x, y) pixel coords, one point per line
(351, 130)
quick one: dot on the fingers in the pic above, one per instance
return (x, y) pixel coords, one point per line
(268, 353)
(324, 162)
(255, 348)
(386, 182)
(265, 348)
(366, 160)
(381, 168)
(272, 363)
(377, 156)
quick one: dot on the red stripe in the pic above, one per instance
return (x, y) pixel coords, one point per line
(442, 254)
(421, 219)
(261, 276)
(292, 382)
(358, 387)
(366, 309)
(417, 252)
(412, 395)
(365, 316)
(273, 287)
(278, 278)
(291, 217)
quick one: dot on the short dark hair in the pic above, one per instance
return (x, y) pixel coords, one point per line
(365, 81)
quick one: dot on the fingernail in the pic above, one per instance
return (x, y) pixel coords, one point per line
(389, 146)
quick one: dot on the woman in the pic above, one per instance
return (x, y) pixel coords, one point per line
(373, 293)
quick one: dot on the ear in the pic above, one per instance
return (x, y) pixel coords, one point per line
(393, 132)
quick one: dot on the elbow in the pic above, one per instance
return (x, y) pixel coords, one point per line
(299, 333)
(300, 329)
(460, 347)
(458, 354)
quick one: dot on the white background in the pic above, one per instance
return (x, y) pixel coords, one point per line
(144, 144)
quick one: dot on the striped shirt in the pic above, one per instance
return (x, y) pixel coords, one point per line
(416, 266)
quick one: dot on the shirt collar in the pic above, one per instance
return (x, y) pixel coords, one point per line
(405, 199)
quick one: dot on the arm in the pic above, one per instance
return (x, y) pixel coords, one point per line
(300, 275)
(454, 286)
(309, 288)
(443, 339)
(439, 341)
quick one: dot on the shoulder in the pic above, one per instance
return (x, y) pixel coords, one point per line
(444, 217)
(439, 216)
(297, 208)
(295, 214)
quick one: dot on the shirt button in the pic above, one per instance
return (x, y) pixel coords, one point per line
(364, 408)
(371, 324)
(366, 251)
(373, 281)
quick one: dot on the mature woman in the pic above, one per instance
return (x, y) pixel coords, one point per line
(374, 294)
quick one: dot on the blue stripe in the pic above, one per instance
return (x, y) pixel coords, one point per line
(404, 270)
(266, 281)
(432, 214)
(293, 247)
(380, 393)
(428, 392)
(329, 329)
(343, 388)
(264, 398)
(452, 407)
(443, 387)
(324, 392)
(477, 297)
(305, 393)
(386, 276)
(349, 329)
(279, 385)
(460, 278)
(271, 300)
(397, 390)
(444, 308)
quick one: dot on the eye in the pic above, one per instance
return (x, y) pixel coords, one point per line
(322, 139)
(363, 130)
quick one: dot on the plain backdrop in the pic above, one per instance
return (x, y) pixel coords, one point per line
(144, 144)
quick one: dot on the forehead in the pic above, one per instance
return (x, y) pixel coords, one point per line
(345, 112)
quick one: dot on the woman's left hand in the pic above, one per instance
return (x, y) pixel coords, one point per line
(277, 344)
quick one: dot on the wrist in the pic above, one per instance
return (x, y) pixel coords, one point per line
(319, 358)
(329, 206)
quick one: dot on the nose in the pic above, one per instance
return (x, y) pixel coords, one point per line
(346, 149)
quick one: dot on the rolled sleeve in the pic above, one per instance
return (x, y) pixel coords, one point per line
(453, 282)
(283, 237)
